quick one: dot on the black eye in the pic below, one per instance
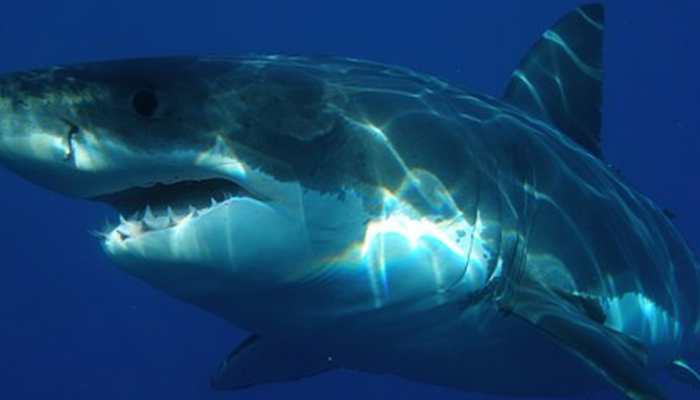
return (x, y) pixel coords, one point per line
(145, 103)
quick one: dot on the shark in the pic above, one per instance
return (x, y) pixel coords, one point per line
(351, 214)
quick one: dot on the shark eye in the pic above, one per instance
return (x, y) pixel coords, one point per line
(145, 102)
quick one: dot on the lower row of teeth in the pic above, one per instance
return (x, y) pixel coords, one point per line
(136, 225)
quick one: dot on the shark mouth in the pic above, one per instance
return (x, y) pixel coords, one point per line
(164, 206)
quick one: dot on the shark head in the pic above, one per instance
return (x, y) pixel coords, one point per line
(239, 179)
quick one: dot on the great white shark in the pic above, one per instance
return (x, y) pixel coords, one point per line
(356, 215)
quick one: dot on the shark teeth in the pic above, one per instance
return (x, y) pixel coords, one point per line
(148, 213)
(148, 226)
(150, 220)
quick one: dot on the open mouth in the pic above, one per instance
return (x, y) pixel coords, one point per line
(164, 206)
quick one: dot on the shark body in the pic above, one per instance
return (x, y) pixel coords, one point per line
(356, 215)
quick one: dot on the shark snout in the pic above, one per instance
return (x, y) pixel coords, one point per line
(38, 147)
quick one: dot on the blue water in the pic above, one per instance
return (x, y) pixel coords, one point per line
(73, 327)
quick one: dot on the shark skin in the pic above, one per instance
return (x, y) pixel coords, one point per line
(356, 215)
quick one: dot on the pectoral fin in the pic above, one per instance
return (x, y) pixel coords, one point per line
(257, 361)
(619, 358)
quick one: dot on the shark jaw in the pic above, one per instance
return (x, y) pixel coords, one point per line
(197, 238)
(166, 206)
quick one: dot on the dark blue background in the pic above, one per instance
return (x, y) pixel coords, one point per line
(73, 327)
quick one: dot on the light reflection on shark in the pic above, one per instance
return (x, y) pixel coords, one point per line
(356, 215)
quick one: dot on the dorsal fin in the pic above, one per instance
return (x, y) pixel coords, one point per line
(561, 78)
